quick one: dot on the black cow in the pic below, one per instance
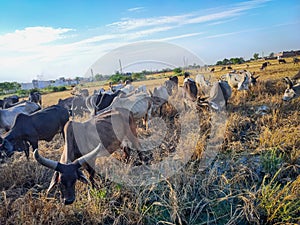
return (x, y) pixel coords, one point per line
(171, 84)
(35, 97)
(296, 60)
(8, 102)
(100, 101)
(190, 89)
(281, 61)
(42, 125)
(264, 65)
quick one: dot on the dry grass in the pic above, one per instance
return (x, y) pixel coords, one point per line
(254, 178)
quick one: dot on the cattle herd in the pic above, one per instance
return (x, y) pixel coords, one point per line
(25, 123)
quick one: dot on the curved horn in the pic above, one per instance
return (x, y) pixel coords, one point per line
(85, 158)
(289, 82)
(45, 162)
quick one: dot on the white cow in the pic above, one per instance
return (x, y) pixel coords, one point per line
(140, 104)
(7, 116)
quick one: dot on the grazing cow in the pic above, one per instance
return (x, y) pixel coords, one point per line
(223, 68)
(237, 80)
(296, 60)
(292, 91)
(281, 61)
(110, 129)
(35, 97)
(212, 70)
(41, 125)
(75, 105)
(253, 79)
(9, 101)
(100, 101)
(219, 94)
(171, 84)
(141, 89)
(296, 77)
(203, 85)
(80, 92)
(264, 65)
(140, 104)
(8, 116)
(229, 67)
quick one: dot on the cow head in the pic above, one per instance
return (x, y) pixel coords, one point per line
(66, 175)
(7, 147)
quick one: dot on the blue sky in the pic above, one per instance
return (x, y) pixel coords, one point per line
(51, 39)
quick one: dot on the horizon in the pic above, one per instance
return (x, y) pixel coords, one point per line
(53, 39)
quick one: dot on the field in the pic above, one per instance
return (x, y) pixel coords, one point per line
(252, 177)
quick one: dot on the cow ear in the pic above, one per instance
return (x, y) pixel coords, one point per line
(81, 177)
(54, 181)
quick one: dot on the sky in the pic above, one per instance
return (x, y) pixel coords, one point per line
(61, 38)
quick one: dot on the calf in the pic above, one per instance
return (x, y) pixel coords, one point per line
(109, 129)
(41, 125)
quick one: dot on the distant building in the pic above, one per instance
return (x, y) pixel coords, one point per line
(287, 54)
(43, 83)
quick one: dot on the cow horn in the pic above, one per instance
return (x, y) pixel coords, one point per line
(85, 158)
(289, 82)
(45, 162)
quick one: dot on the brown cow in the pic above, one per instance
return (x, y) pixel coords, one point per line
(109, 129)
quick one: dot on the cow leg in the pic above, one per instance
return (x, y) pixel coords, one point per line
(91, 172)
(126, 150)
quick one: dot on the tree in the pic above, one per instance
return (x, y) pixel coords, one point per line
(256, 56)
(177, 70)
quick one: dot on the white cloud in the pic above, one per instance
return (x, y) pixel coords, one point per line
(136, 9)
(229, 12)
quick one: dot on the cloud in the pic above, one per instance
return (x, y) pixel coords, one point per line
(136, 9)
(24, 40)
(229, 12)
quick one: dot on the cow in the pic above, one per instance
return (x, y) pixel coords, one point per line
(141, 105)
(212, 70)
(171, 85)
(102, 135)
(160, 97)
(75, 105)
(264, 65)
(229, 67)
(35, 97)
(8, 116)
(219, 95)
(237, 80)
(190, 90)
(253, 79)
(292, 91)
(281, 61)
(9, 101)
(203, 85)
(100, 101)
(296, 60)
(41, 125)
(80, 92)
(141, 89)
